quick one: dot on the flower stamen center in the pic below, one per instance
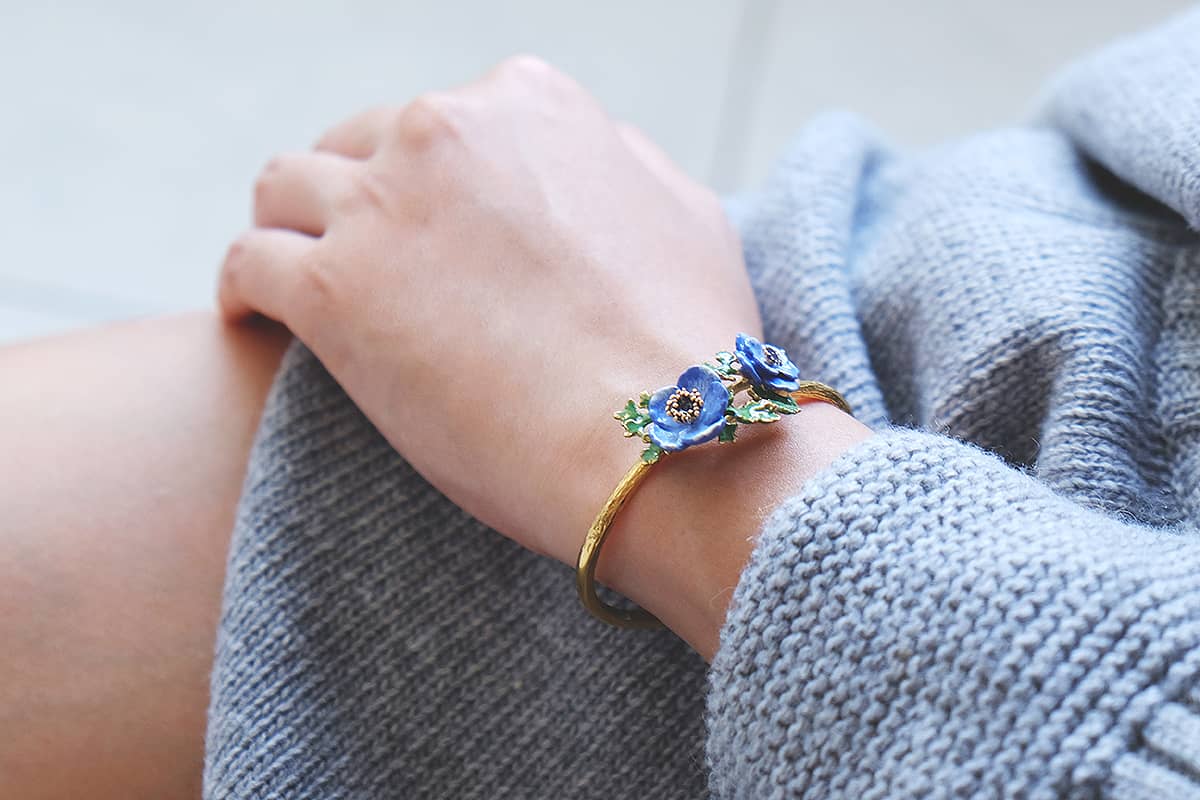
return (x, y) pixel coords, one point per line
(684, 405)
(772, 357)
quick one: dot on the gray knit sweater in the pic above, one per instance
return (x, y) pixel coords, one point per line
(997, 595)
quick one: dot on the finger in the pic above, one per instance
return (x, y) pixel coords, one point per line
(361, 135)
(265, 272)
(296, 190)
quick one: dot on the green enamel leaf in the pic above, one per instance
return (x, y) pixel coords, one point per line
(630, 411)
(633, 419)
(651, 454)
(725, 364)
(784, 404)
(644, 400)
(728, 432)
(757, 411)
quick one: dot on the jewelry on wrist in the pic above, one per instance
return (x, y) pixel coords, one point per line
(697, 409)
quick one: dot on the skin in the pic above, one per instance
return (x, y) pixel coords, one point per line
(123, 450)
(128, 445)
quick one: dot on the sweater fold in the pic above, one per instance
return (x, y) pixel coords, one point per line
(1133, 106)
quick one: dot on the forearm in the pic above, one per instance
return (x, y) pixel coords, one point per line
(679, 545)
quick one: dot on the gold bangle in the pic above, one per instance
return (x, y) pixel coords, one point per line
(697, 409)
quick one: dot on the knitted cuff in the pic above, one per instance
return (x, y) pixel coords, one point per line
(925, 621)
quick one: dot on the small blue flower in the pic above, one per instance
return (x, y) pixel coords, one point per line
(766, 365)
(691, 412)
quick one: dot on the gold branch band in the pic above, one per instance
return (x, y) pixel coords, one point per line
(699, 408)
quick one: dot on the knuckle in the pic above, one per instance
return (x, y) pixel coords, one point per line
(329, 139)
(268, 178)
(237, 256)
(350, 133)
(430, 119)
(365, 191)
(316, 287)
(528, 66)
(538, 76)
(239, 251)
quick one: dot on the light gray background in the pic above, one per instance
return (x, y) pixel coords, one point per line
(132, 129)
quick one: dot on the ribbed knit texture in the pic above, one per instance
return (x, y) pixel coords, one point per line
(997, 595)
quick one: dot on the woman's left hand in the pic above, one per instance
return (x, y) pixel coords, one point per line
(489, 273)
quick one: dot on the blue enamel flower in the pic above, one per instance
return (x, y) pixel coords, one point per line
(691, 412)
(766, 365)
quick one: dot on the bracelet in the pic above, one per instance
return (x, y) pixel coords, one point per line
(697, 409)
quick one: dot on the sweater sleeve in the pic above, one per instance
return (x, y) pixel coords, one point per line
(925, 621)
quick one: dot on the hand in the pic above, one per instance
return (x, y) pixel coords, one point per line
(489, 273)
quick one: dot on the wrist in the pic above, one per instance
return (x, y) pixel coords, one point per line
(679, 545)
